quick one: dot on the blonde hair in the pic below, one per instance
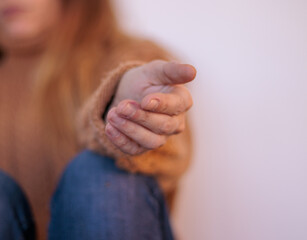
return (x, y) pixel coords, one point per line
(70, 67)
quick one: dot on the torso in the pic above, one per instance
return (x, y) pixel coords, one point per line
(25, 152)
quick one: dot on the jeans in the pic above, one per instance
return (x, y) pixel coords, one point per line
(94, 200)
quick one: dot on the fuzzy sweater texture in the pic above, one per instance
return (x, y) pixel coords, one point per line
(25, 151)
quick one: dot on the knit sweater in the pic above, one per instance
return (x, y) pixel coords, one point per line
(25, 151)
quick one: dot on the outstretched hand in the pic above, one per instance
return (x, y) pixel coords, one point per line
(149, 105)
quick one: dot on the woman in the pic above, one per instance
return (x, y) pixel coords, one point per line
(70, 80)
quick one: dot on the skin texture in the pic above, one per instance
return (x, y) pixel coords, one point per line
(150, 105)
(26, 25)
(150, 102)
(23, 37)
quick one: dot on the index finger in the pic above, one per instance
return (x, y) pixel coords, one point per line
(178, 101)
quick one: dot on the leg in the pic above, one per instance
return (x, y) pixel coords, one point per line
(16, 220)
(96, 200)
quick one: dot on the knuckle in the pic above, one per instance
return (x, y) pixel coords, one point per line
(128, 128)
(136, 149)
(142, 117)
(131, 148)
(167, 127)
(189, 102)
(121, 141)
(164, 106)
(182, 104)
(157, 142)
(154, 66)
(149, 67)
(179, 106)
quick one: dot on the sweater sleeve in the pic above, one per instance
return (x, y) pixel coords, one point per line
(166, 163)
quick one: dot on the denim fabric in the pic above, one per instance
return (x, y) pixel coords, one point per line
(16, 220)
(95, 200)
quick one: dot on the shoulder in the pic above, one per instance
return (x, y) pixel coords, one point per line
(135, 48)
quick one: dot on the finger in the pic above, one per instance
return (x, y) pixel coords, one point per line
(169, 73)
(178, 101)
(161, 124)
(142, 136)
(125, 144)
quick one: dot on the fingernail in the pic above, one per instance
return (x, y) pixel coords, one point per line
(153, 104)
(129, 110)
(111, 131)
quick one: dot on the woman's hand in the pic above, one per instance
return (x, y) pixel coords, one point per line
(149, 105)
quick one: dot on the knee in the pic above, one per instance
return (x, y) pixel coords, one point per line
(9, 192)
(15, 213)
(90, 173)
(89, 170)
(95, 194)
(88, 163)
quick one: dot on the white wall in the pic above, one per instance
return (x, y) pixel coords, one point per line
(249, 177)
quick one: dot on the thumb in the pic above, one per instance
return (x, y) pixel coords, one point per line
(169, 73)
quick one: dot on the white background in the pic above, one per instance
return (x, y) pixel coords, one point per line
(249, 176)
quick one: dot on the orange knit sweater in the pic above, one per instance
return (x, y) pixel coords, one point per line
(26, 153)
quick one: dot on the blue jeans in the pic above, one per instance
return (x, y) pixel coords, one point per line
(94, 200)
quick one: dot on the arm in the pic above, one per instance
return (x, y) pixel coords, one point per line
(166, 163)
